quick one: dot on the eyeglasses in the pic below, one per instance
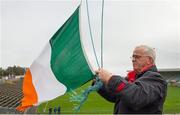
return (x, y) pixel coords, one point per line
(137, 56)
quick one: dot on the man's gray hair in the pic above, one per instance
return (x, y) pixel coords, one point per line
(149, 51)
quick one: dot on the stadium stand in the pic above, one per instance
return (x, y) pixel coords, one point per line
(172, 76)
(10, 96)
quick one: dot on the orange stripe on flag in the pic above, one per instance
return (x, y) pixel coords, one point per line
(30, 95)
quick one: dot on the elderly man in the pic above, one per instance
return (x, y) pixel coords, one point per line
(142, 91)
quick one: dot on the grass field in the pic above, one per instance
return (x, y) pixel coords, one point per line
(96, 104)
(172, 103)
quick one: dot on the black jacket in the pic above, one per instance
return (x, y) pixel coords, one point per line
(145, 95)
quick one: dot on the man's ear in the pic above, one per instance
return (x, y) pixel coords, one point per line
(150, 60)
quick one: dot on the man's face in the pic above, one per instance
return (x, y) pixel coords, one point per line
(139, 59)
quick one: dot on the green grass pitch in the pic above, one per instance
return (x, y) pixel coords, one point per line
(95, 104)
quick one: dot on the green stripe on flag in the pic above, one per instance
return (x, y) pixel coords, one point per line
(68, 62)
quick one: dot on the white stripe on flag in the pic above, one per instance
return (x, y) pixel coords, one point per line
(44, 81)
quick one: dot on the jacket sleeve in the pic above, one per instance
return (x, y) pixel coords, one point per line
(110, 96)
(140, 93)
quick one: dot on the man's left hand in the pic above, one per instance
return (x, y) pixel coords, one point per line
(104, 75)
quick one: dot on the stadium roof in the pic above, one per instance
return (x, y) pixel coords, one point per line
(169, 70)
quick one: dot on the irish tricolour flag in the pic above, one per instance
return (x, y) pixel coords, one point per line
(60, 67)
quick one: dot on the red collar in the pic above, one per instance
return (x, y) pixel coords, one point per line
(132, 74)
(146, 68)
